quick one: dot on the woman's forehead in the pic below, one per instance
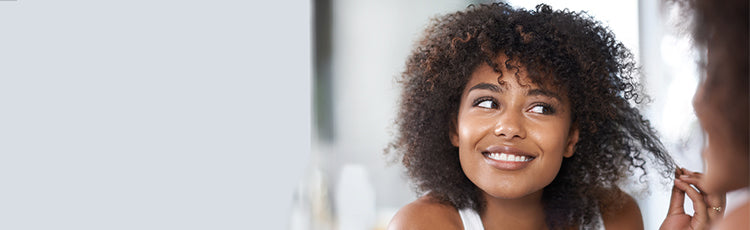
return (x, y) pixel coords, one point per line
(516, 75)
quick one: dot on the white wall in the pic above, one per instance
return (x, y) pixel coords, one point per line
(159, 114)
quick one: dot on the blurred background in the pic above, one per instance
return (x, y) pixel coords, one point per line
(187, 114)
(360, 47)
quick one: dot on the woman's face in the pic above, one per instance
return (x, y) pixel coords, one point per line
(511, 137)
(722, 112)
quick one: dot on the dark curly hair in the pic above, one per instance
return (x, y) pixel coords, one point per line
(581, 56)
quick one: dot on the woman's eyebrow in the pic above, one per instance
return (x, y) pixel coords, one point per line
(487, 86)
(542, 92)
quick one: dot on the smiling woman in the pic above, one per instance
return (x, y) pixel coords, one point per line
(511, 135)
(522, 119)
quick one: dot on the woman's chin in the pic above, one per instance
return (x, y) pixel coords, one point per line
(509, 194)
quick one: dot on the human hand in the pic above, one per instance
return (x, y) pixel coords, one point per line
(708, 207)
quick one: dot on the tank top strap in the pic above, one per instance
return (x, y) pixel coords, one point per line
(471, 219)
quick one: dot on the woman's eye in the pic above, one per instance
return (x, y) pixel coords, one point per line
(486, 104)
(542, 109)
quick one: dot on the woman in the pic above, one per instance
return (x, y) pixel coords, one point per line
(519, 119)
(721, 105)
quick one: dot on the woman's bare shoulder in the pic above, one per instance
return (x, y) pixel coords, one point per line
(737, 219)
(626, 216)
(426, 213)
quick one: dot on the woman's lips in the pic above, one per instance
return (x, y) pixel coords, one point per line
(507, 158)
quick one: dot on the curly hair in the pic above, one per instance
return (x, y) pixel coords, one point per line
(569, 50)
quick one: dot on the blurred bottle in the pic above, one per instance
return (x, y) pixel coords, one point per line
(311, 209)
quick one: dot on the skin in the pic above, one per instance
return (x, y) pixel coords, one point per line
(627, 217)
(428, 213)
(702, 203)
(738, 219)
(515, 114)
(725, 159)
(511, 115)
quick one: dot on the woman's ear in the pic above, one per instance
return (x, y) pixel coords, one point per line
(453, 132)
(570, 148)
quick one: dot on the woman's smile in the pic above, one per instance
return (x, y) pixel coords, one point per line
(507, 158)
(512, 134)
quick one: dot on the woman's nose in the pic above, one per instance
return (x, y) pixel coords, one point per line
(510, 125)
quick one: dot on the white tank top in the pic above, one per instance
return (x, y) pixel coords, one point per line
(472, 220)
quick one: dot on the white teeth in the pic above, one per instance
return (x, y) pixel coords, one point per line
(508, 157)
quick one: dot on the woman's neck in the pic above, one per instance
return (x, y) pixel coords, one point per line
(522, 213)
